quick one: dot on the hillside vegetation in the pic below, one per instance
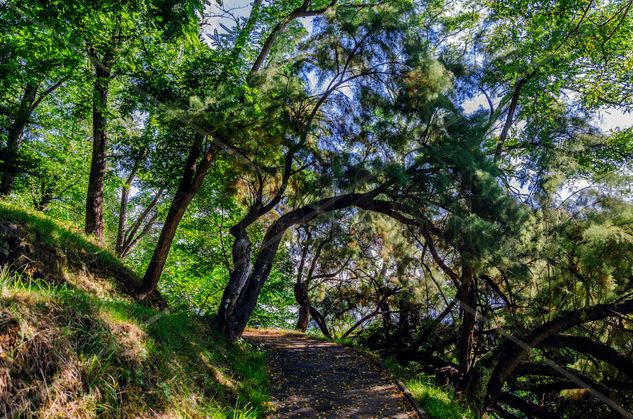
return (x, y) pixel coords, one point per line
(446, 184)
(72, 343)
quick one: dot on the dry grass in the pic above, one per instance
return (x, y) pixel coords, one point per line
(72, 344)
(66, 352)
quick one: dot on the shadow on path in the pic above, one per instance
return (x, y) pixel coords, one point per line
(311, 378)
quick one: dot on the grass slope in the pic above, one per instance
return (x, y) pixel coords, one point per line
(72, 344)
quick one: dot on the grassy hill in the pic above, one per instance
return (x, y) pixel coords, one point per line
(73, 343)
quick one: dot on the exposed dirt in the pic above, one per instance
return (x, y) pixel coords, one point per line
(311, 378)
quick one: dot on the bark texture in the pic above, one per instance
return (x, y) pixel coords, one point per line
(191, 181)
(468, 301)
(94, 198)
(246, 281)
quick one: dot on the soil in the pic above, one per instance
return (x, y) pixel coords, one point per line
(312, 378)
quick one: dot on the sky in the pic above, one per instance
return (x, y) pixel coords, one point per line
(608, 119)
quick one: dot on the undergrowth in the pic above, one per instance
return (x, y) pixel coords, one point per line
(76, 346)
(437, 401)
(67, 352)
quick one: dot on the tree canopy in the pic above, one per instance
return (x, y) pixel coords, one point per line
(430, 179)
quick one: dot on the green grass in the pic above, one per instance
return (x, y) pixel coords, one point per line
(114, 357)
(49, 249)
(74, 344)
(438, 402)
(64, 236)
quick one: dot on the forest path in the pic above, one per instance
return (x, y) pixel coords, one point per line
(311, 378)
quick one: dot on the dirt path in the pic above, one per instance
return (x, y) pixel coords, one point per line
(311, 378)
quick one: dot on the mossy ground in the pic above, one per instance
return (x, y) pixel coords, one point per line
(80, 347)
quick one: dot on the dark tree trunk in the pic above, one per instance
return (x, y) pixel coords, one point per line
(94, 197)
(190, 183)
(161, 251)
(125, 193)
(303, 299)
(320, 321)
(387, 321)
(515, 350)
(241, 293)
(468, 302)
(229, 309)
(14, 138)
(301, 287)
(406, 319)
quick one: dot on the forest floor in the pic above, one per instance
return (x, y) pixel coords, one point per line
(312, 378)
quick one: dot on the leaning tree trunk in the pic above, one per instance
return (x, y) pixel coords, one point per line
(13, 138)
(96, 181)
(190, 183)
(156, 265)
(241, 293)
(303, 299)
(516, 349)
(468, 302)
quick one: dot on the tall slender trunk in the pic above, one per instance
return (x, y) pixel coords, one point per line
(190, 183)
(125, 194)
(468, 300)
(94, 197)
(387, 321)
(301, 288)
(14, 138)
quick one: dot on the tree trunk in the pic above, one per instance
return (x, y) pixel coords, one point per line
(190, 183)
(387, 321)
(94, 198)
(14, 138)
(240, 296)
(241, 293)
(320, 321)
(303, 299)
(514, 350)
(125, 192)
(156, 265)
(240, 276)
(468, 302)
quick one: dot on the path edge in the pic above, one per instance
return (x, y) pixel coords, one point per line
(403, 388)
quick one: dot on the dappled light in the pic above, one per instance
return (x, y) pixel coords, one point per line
(316, 208)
